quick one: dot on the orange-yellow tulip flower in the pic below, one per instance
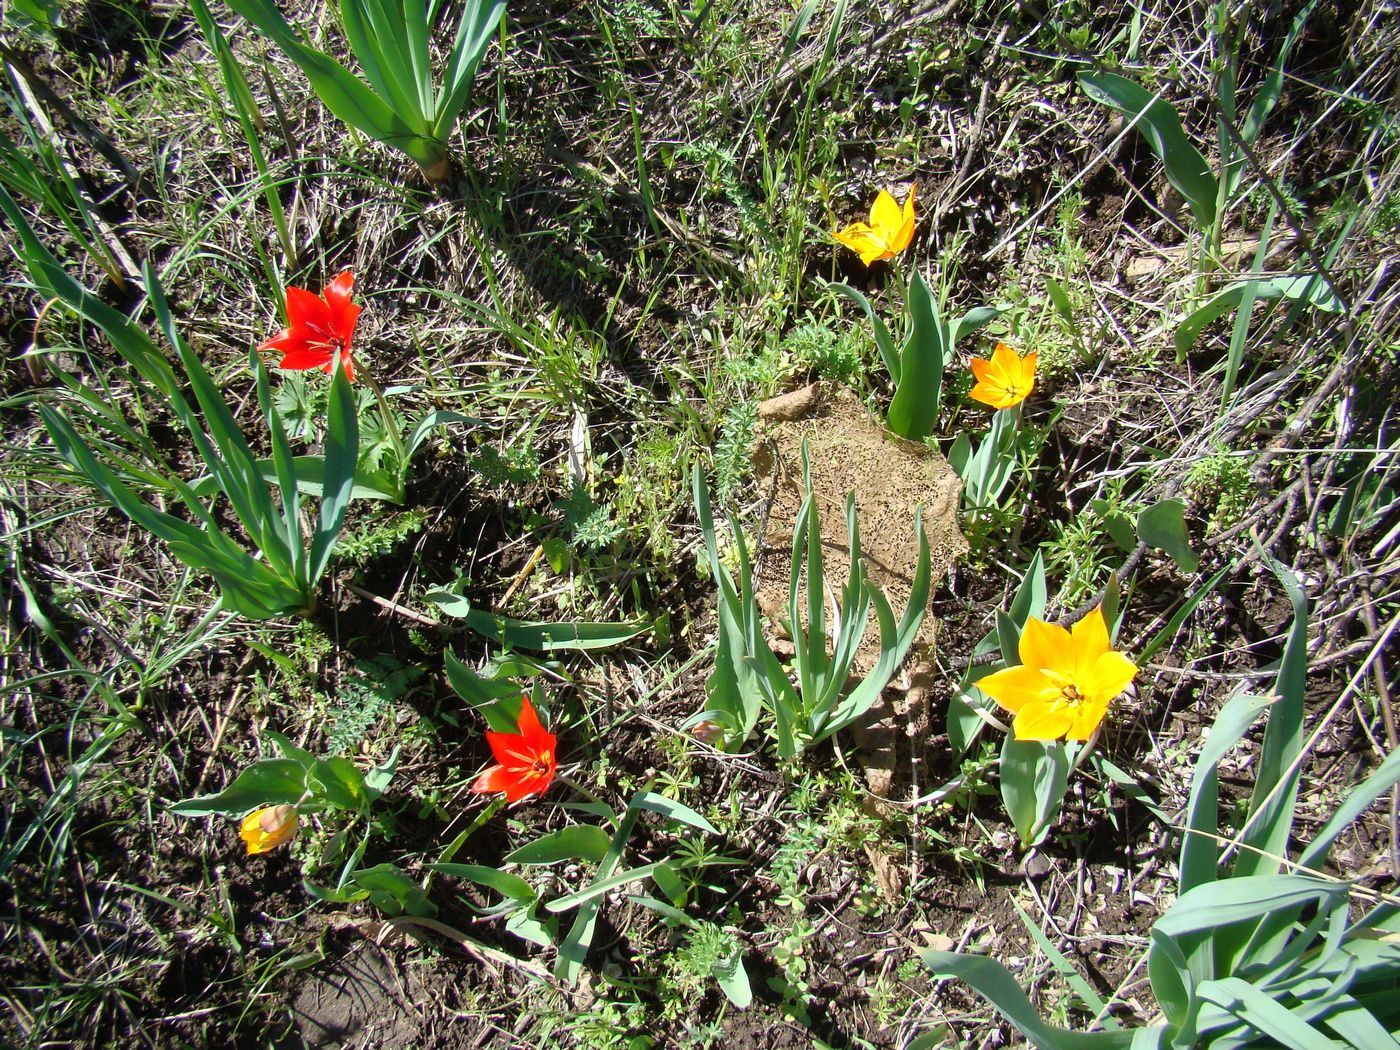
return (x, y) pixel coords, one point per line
(269, 827)
(1006, 380)
(889, 232)
(1065, 682)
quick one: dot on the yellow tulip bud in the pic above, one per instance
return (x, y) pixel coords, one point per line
(269, 827)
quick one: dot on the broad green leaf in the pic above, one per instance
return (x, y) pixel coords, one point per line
(1301, 288)
(525, 925)
(1163, 525)
(600, 886)
(393, 892)
(339, 781)
(1275, 793)
(977, 317)
(569, 964)
(535, 634)
(734, 980)
(1264, 1014)
(671, 809)
(338, 473)
(498, 700)
(914, 409)
(344, 94)
(1159, 123)
(308, 472)
(1199, 850)
(889, 354)
(1034, 776)
(1357, 802)
(577, 842)
(994, 983)
(269, 782)
(502, 882)
(1242, 899)
(480, 19)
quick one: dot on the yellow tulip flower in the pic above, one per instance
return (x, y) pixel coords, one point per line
(1065, 681)
(269, 827)
(1006, 380)
(888, 233)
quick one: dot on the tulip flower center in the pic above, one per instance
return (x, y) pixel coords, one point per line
(541, 764)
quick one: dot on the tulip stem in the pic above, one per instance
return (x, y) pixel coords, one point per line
(585, 792)
(391, 425)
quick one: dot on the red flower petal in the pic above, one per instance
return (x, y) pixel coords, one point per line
(305, 357)
(307, 312)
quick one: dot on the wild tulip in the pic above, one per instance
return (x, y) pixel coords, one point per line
(525, 761)
(886, 235)
(320, 328)
(1004, 381)
(1065, 681)
(269, 827)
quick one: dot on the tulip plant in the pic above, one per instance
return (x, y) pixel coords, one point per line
(319, 335)
(279, 577)
(748, 674)
(273, 796)
(1003, 382)
(1260, 949)
(400, 105)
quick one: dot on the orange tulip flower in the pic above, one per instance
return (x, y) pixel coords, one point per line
(269, 827)
(1006, 380)
(525, 761)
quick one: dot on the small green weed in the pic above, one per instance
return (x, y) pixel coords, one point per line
(1221, 487)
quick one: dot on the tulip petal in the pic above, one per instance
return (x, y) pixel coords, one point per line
(495, 779)
(1042, 722)
(1088, 641)
(885, 216)
(305, 310)
(1006, 361)
(529, 721)
(302, 356)
(283, 341)
(1085, 717)
(1046, 645)
(1015, 688)
(1109, 675)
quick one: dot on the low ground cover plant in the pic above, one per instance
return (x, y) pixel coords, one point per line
(415, 630)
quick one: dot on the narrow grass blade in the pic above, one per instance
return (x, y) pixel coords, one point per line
(1065, 969)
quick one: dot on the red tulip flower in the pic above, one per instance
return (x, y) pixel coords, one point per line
(524, 761)
(320, 328)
